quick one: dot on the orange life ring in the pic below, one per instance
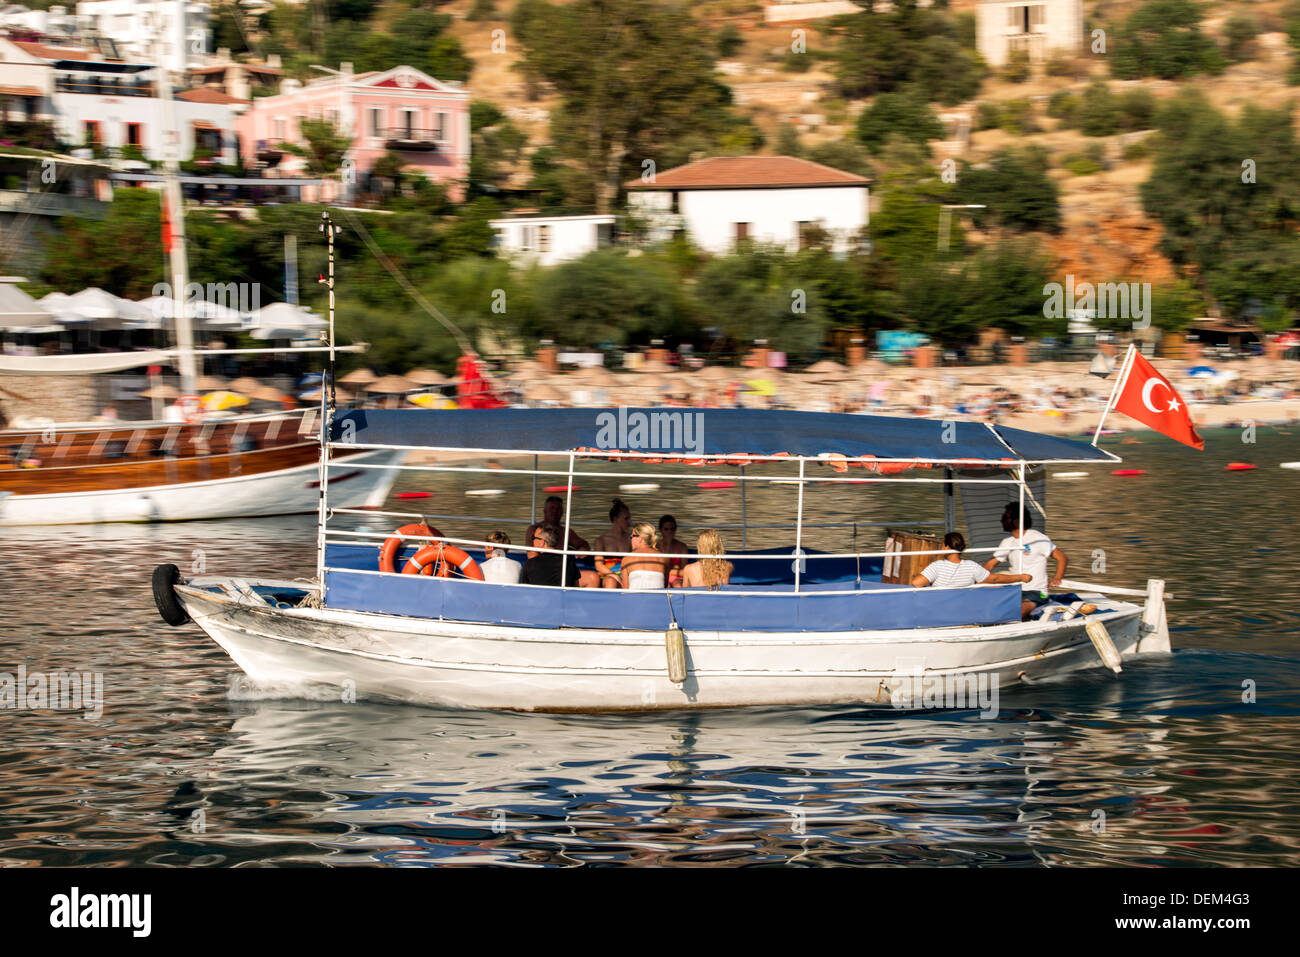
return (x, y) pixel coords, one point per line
(393, 544)
(444, 556)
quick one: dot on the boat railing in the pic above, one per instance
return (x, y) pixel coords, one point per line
(336, 534)
(424, 516)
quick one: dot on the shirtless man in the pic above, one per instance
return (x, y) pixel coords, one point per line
(615, 539)
(553, 513)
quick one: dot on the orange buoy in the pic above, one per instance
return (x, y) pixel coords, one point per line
(393, 544)
(1238, 467)
(717, 484)
(1129, 472)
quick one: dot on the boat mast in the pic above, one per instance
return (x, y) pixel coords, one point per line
(173, 211)
(327, 404)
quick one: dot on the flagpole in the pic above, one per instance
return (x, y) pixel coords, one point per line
(1120, 381)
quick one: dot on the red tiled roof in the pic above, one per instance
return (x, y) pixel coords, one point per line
(206, 95)
(53, 53)
(222, 67)
(20, 91)
(749, 172)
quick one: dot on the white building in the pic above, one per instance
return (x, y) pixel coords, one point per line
(547, 240)
(26, 84)
(724, 200)
(1041, 29)
(56, 21)
(139, 26)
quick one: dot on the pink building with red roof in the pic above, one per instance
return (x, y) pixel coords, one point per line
(423, 120)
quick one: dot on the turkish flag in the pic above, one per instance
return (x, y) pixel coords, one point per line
(166, 227)
(1148, 397)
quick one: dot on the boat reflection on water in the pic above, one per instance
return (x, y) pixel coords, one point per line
(375, 783)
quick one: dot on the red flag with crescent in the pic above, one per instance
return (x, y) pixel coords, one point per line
(166, 227)
(1148, 397)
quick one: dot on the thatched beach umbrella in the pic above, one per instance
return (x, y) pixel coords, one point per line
(544, 393)
(391, 385)
(209, 383)
(359, 377)
(244, 385)
(426, 377)
(824, 367)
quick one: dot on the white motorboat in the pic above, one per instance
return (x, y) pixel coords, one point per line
(795, 626)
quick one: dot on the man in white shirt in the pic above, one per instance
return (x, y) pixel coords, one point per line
(1027, 550)
(497, 567)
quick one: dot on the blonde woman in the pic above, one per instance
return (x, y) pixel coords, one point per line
(645, 568)
(708, 572)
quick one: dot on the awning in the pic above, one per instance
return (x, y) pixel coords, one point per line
(708, 432)
(204, 125)
(27, 91)
(83, 363)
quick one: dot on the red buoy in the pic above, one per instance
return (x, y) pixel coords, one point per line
(413, 495)
(1129, 472)
(1239, 467)
(562, 488)
(717, 485)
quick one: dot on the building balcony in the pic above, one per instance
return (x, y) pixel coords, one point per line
(408, 140)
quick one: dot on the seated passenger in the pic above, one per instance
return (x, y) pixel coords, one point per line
(708, 572)
(615, 539)
(651, 571)
(553, 512)
(497, 566)
(952, 571)
(669, 545)
(547, 568)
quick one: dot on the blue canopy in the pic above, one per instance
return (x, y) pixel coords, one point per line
(660, 431)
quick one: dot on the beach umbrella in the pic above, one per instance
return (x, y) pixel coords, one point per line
(163, 391)
(209, 383)
(359, 377)
(717, 374)
(596, 376)
(654, 366)
(19, 312)
(825, 366)
(280, 320)
(222, 400)
(761, 386)
(544, 393)
(244, 385)
(391, 385)
(266, 393)
(1201, 372)
(426, 377)
(340, 395)
(432, 400)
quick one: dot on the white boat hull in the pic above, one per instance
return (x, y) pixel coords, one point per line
(283, 492)
(462, 665)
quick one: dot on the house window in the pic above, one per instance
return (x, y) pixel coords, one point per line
(408, 124)
(134, 134)
(528, 238)
(277, 128)
(1027, 19)
(543, 239)
(741, 231)
(93, 134)
(333, 117)
(376, 122)
(806, 230)
(301, 117)
(440, 127)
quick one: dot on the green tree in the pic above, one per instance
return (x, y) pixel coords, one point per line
(608, 297)
(325, 147)
(898, 114)
(632, 77)
(1163, 38)
(1239, 37)
(1015, 188)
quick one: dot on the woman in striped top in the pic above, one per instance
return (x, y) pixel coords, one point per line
(952, 571)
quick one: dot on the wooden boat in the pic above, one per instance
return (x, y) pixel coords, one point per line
(795, 626)
(157, 471)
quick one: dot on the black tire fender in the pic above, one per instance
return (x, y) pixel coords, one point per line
(165, 578)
